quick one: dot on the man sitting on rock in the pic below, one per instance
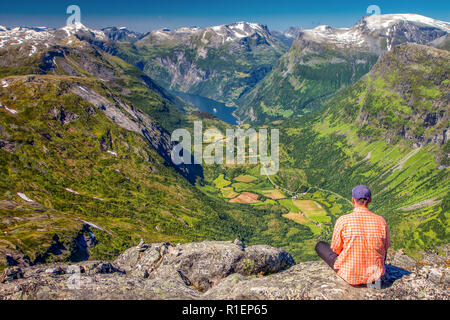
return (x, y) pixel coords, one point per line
(360, 243)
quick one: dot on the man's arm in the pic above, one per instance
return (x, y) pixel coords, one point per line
(337, 244)
(388, 239)
(387, 242)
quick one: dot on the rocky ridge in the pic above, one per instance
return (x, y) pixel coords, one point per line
(342, 56)
(215, 35)
(218, 62)
(122, 34)
(377, 33)
(213, 270)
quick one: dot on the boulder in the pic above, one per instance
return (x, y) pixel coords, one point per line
(202, 264)
(11, 274)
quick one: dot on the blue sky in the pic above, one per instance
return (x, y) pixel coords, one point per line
(148, 15)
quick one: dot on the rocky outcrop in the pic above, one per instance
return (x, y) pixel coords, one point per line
(63, 116)
(202, 265)
(122, 34)
(422, 125)
(214, 270)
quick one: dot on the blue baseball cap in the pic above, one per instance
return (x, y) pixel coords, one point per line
(362, 192)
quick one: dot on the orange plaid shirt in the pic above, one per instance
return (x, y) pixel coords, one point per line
(361, 239)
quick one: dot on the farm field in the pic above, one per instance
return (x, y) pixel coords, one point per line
(229, 193)
(221, 182)
(294, 220)
(273, 194)
(245, 178)
(246, 197)
(296, 217)
(313, 210)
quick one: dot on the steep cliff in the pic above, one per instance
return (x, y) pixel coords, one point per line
(220, 271)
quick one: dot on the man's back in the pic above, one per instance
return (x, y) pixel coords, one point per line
(361, 240)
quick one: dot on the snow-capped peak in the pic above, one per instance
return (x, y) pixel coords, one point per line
(76, 26)
(341, 37)
(19, 36)
(72, 29)
(38, 37)
(245, 25)
(322, 28)
(379, 26)
(376, 22)
(238, 30)
(222, 33)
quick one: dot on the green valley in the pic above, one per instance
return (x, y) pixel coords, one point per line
(86, 168)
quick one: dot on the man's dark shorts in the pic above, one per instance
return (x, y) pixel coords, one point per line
(327, 254)
(324, 251)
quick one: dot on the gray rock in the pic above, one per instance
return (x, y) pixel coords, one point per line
(143, 259)
(202, 264)
(11, 274)
(400, 259)
(436, 275)
(215, 270)
(264, 260)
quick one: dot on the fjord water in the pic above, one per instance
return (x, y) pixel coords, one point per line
(218, 109)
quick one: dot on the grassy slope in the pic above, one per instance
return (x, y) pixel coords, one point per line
(301, 79)
(49, 157)
(137, 202)
(129, 196)
(353, 141)
(356, 138)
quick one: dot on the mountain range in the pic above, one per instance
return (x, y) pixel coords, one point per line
(325, 59)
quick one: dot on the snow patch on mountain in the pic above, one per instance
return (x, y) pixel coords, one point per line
(72, 29)
(238, 30)
(72, 191)
(371, 28)
(42, 36)
(222, 33)
(341, 37)
(12, 111)
(24, 197)
(19, 35)
(76, 27)
(376, 22)
(33, 51)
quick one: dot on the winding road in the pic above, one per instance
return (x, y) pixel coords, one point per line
(294, 194)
